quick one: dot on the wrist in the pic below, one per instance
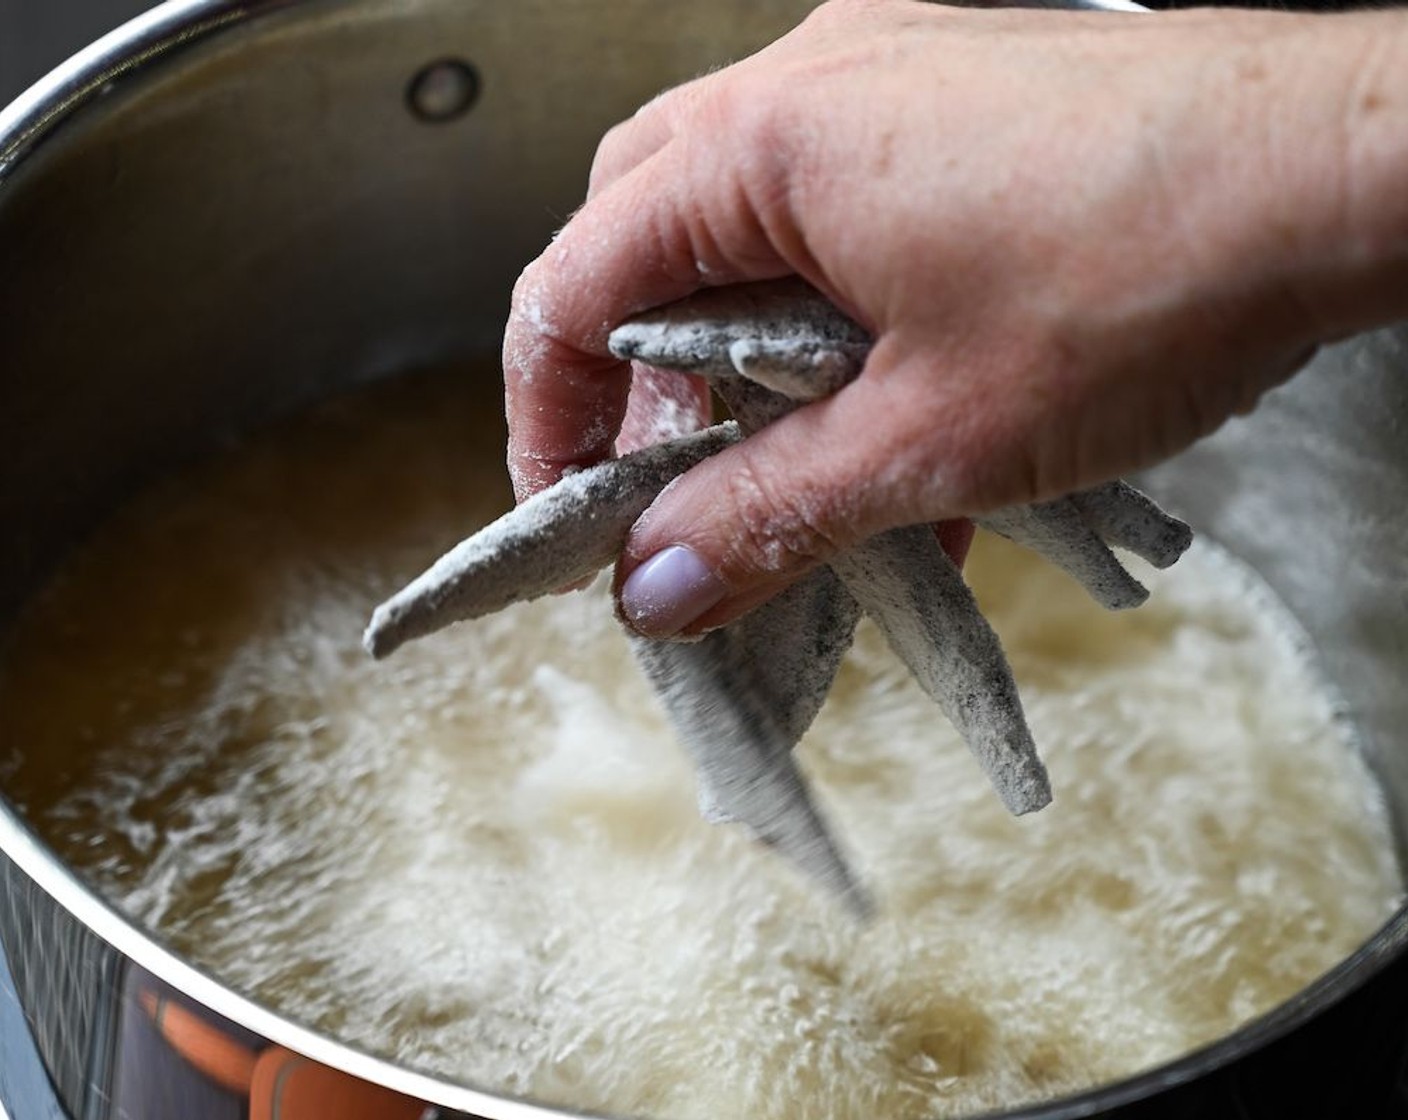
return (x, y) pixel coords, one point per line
(1335, 174)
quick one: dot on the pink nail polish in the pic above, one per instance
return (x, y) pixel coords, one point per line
(669, 591)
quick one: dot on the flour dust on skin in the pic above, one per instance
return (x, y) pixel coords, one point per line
(483, 857)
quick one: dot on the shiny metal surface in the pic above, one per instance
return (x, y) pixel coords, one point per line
(1312, 490)
(34, 38)
(228, 209)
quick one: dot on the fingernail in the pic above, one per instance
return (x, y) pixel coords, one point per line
(669, 591)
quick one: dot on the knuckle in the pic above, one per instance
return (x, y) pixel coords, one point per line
(836, 19)
(539, 303)
(949, 459)
(610, 157)
(754, 112)
(776, 530)
(768, 145)
(982, 465)
(526, 304)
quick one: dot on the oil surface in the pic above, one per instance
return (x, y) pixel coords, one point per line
(482, 856)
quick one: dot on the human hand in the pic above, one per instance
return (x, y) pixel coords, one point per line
(1081, 241)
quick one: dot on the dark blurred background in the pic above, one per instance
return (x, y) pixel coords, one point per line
(36, 35)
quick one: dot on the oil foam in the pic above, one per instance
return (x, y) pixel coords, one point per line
(483, 858)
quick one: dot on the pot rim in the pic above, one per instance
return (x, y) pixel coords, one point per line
(36, 114)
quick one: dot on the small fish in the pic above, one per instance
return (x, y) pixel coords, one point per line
(741, 697)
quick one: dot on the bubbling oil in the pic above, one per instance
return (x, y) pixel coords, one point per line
(482, 857)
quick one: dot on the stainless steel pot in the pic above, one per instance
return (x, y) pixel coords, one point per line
(227, 209)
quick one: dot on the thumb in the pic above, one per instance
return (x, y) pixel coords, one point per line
(743, 525)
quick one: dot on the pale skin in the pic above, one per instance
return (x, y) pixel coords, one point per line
(1081, 241)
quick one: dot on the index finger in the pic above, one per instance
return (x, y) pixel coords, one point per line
(658, 233)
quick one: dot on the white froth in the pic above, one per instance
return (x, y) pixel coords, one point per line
(483, 856)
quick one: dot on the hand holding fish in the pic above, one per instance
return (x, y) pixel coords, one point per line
(1079, 240)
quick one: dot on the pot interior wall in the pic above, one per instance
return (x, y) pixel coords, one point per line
(1310, 490)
